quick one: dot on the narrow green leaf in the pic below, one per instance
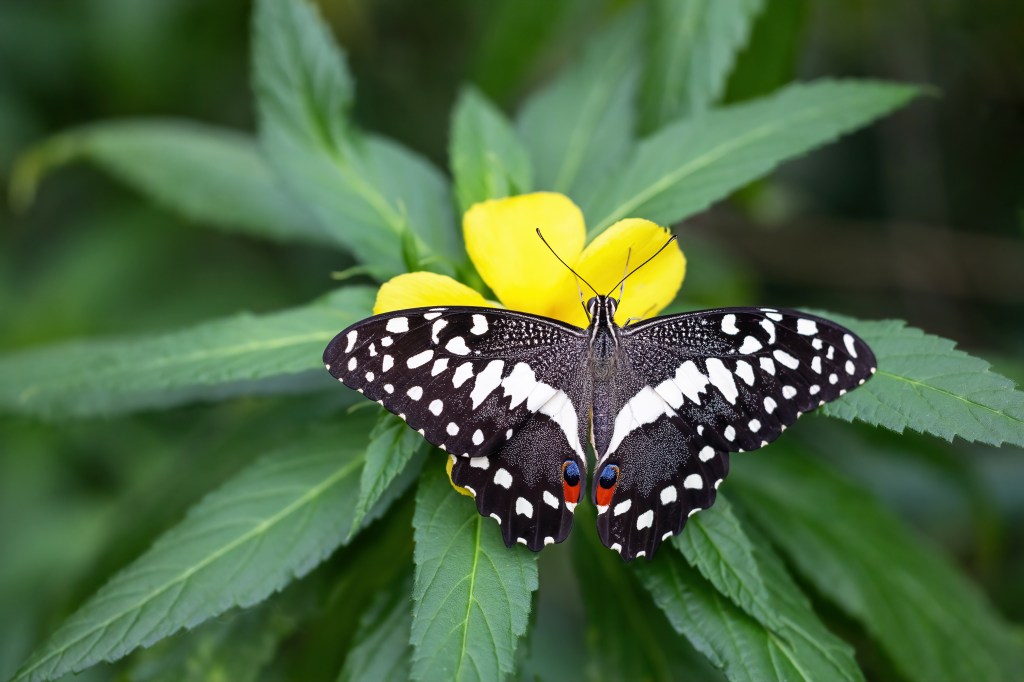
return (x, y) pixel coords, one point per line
(392, 446)
(931, 621)
(242, 354)
(687, 166)
(691, 50)
(382, 650)
(581, 125)
(213, 176)
(368, 191)
(488, 160)
(746, 651)
(925, 384)
(717, 545)
(270, 524)
(472, 594)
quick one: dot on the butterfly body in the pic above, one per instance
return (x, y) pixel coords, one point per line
(515, 399)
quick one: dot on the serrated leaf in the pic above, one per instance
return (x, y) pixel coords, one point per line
(929, 619)
(382, 650)
(488, 159)
(213, 176)
(581, 125)
(272, 523)
(691, 50)
(689, 165)
(369, 192)
(392, 446)
(796, 647)
(241, 354)
(925, 384)
(472, 594)
(717, 545)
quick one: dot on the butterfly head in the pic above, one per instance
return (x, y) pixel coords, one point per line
(601, 309)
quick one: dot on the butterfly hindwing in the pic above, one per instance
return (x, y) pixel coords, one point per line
(506, 393)
(689, 389)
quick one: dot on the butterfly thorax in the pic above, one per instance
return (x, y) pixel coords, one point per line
(604, 336)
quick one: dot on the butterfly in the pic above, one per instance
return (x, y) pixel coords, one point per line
(515, 398)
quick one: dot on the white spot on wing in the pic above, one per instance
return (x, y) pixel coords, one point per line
(478, 437)
(351, 338)
(769, 329)
(706, 453)
(643, 408)
(457, 345)
(645, 520)
(463, 373)
(420, 359)
(745, 371)
(729, 324)
(503, 478)
(416, 392)
(387, 362)
(439, 366)
(397, 325)
(479, 325)
(436, 328)
(435, 407)
(722, 379)
(850, 348)
(850, 367)
(351, 364)
(486, 381)
(453, 430)
(730, 433)
(550, 500)
(431, 316)
(690, 381)
(668, 495)
(806, 327)
(754, 425)
(750, 345)
(693, 482)
(622, 507)
(786, 359)
(524, 508)
(788, 392)
(769, 404)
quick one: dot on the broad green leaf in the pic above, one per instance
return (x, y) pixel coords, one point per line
(382, 650)
(581, 125)
(370, 193)
(273, 522)
(392, 446)
(627, 638)
(488, 160)
(925, 384)
(472, 594)
(717, 545)
(691, 49)
(689, 165)
(773, 50)
(210, 175)
(746, 651)
(931, 621)
(238, 355)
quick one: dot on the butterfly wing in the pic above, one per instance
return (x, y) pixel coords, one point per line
(691, 388)
(505, 393)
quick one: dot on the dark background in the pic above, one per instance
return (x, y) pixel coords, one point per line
(918, 217)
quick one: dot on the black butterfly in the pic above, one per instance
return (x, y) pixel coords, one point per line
(513, 397)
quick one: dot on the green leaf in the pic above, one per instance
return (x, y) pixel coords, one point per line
(368, 191)
(382, 650)
(267, 526)
(488, 160)
(241, 354)
(392, 445)
(717, 545)
(925, 384)
(691, 50)
(687, 166)
(211, 175)
(931, 621)
(472, 594)
(581, 125)
(737, 644)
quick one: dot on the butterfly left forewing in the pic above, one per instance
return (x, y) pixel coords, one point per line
(504, 392)
(691, 388)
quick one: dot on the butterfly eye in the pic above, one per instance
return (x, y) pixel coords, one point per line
(571, 481)
(606, 484)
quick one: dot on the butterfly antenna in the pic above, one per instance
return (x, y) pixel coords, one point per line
(625, 269)
(567, 265)
(663, 247)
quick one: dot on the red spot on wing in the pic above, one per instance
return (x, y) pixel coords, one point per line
(604, 495)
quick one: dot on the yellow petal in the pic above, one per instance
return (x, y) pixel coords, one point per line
(603, 263)
(501, 238)
(423, 289)
(448, 468)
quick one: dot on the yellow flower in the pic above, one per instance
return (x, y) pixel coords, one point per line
(501, 239)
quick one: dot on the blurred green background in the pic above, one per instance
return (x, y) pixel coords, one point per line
(919, 217)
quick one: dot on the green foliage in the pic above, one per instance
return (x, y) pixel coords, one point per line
(244, 354)
(213, 176)
(472, 595)
(425, 588)
(925, 384)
